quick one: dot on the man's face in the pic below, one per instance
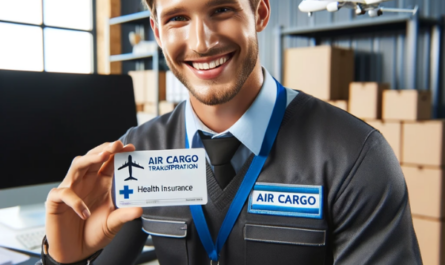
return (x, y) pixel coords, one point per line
(210, 45)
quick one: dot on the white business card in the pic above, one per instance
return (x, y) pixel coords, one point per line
(160, 178)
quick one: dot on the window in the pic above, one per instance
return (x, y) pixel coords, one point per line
(47, 35)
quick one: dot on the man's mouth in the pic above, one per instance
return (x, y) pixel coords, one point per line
(211, 63)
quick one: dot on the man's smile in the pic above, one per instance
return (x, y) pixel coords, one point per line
(209, 67)
(209, 63)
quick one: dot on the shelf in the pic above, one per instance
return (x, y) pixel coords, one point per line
(132, 18)
(410, 25)
(130, 56)
(360, 25)
(141, 20)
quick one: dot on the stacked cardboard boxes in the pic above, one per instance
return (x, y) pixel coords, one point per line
(365, 100)
(422, 165)
(322, 71)
(145, 92)
(418, 143)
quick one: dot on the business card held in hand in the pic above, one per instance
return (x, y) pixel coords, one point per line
(160, 178)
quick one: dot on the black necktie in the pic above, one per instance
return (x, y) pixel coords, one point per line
(220, 152)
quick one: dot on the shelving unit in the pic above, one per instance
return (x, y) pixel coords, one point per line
(131, 56)
(409, 23)
(135, 18)
(140, 18)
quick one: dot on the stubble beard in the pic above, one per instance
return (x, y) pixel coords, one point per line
(215, 97)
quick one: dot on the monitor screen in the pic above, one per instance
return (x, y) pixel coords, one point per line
(47, 119)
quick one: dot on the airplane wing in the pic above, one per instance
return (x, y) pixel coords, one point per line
(136, 165)
(124, 166)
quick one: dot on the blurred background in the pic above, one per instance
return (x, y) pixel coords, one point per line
(59, 58)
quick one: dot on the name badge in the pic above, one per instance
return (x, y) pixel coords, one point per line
(160, 178)
(287, 200)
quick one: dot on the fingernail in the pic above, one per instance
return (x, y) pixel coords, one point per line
(86, 213)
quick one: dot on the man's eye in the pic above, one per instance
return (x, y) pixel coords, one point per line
(178, 18)
(222, 10)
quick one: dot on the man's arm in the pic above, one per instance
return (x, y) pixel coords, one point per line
(80, 215)
(370, 215)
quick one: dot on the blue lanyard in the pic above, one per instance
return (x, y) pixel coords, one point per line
(246, 186)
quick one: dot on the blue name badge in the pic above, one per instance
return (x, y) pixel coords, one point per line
(287, 200)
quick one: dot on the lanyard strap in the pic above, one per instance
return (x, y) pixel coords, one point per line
(246, 185)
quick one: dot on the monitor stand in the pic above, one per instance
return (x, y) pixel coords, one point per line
(23, 217)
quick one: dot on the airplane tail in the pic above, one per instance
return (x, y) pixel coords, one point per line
(130, 178)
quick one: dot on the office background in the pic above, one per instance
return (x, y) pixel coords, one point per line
(92, 36)
(382, 52)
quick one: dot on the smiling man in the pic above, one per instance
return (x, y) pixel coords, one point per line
(290, 179)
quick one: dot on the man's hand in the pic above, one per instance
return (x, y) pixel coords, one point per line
(80, 215)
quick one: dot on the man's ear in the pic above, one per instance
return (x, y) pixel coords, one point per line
(262, 15)
(154, 27)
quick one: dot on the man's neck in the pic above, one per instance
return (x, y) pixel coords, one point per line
(221, 117)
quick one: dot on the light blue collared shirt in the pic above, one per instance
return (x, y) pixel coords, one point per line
(249, 129)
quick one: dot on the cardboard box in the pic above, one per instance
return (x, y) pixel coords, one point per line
(430, 235)
(341, 104)
(407, 105)
(144, 86)
(365, 99)
(138, 87)
(392, 131)
(166, 107)
(423, 143)
(139, 107)
(425, 189)
(323, 71)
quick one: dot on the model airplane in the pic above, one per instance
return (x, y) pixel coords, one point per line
(130, 164)
(361, 6)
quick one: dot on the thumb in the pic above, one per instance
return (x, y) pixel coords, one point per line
(119, 217)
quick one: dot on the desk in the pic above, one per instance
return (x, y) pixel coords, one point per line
(16, 258)
(35, 194)
(8, 239)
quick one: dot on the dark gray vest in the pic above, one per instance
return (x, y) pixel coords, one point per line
(366, 215)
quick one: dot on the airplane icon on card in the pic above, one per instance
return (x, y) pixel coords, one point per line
(130, 164)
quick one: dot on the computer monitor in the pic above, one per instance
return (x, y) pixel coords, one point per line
(46, 119)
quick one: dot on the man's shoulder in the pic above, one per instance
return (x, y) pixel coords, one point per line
(159, 132)
(315, 108)
(325, 125)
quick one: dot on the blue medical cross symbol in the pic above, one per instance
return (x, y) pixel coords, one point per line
(126, 192)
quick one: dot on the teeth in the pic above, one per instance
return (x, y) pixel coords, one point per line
(210, 65)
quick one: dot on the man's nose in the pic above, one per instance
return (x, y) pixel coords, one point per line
(202, 37)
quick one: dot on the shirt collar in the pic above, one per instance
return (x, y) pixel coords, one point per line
(249, 129)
